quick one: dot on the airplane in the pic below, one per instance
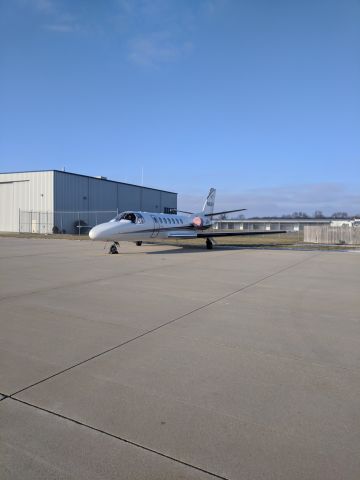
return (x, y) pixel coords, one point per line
(137, 226)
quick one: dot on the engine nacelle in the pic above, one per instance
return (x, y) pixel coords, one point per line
(198, 222)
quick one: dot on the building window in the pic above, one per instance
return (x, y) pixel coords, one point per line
(170, 210)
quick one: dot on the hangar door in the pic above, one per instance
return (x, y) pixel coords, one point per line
(6, 207)
(13, 195)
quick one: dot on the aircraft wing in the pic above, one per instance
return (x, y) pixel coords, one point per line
(182, 235)
(235, 234)
(212, 234)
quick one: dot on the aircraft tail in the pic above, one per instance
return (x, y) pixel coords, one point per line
(208, 207)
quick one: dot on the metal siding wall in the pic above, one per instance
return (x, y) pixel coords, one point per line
(129, 197)
(151, 200)
(106, 195)
(102, 195)
(70, 191)
(30, 191)
(168, 200)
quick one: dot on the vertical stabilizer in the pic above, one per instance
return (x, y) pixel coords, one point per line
(210, 202)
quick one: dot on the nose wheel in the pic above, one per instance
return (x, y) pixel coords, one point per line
(113, 249)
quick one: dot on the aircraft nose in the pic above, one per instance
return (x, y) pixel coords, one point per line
(94, 233)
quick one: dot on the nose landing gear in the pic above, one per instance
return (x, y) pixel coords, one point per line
(113, 249)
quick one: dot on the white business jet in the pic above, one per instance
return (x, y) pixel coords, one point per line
(136, 227)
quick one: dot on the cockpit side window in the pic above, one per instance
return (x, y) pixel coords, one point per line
(139, 218)
(131, 216)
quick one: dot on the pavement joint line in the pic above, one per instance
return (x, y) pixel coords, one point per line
(169, 322)
(122, 439)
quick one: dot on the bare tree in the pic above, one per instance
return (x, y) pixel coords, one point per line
(340, 215)
(299, 215)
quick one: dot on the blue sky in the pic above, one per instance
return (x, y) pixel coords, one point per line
(258, 98)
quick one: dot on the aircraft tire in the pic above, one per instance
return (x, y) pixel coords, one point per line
(113, 250)
(209, 244)
(139, 243)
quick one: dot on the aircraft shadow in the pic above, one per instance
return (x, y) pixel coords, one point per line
(184, 249)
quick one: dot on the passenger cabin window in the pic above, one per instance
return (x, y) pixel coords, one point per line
(181, 220)
(160, 219)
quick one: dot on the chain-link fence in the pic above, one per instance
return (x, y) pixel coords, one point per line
(77, 223)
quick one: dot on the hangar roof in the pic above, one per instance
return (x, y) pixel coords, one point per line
(90, 176)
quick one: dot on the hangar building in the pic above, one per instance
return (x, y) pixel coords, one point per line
(39, 201)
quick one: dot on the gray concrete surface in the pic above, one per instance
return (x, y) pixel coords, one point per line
(169, 363)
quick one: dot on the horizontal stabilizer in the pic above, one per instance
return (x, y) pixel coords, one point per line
(183, 211)
(226, 211)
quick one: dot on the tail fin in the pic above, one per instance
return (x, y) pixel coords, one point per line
(209, 203)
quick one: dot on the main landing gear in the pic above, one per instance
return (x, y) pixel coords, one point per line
(113, 249)
(138, 243)
(209, 244)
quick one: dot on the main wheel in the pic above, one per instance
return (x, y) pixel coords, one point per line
(139, 243)
(209, 244)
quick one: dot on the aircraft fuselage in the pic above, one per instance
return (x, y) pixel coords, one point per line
(139, 226)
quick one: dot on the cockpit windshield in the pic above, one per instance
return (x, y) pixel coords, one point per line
(133, 217)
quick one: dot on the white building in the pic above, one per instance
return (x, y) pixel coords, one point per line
(42, 201)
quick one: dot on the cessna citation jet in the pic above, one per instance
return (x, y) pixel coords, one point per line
(139, 226)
